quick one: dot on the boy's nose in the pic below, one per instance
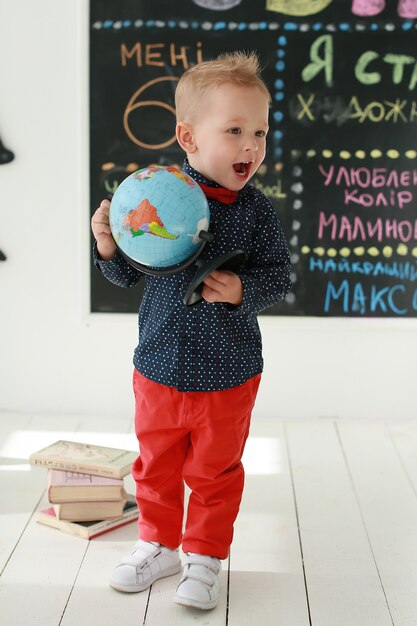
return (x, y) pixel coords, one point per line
(250, 153)
(251, 145)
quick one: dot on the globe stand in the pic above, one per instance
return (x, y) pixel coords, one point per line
(230, 261)
(205, 237)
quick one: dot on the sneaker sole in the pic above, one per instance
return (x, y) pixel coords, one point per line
(204, 606)
(175, 569)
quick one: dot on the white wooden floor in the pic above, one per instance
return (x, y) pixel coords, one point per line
(326, 536)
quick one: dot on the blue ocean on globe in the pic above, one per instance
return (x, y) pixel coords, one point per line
(156, 215)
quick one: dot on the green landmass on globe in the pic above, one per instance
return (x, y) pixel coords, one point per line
(145, 219)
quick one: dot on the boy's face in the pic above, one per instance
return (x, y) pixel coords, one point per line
(229, 135)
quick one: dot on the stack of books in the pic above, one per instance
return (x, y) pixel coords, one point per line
(85, 487)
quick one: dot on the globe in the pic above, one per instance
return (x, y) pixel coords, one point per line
(158, 218)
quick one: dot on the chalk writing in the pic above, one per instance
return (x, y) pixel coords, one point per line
(271, 191)
(404, 271)
(160, 55)
(395, 67)
(366, 177)
(306, 108)
(371, 178)
(354, 228)
(135, 103)
(369, 298)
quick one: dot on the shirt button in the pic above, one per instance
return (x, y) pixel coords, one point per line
(183, 338)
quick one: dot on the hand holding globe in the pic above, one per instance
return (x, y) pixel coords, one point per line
(100, 225)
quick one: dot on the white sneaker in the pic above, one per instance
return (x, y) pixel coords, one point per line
(199, 586)
(148, 562)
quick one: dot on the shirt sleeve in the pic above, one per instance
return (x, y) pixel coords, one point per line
(266, 277)
(118, 271)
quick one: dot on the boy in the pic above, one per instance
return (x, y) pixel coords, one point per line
(197, 369)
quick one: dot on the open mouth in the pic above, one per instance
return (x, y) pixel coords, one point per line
(242, 168)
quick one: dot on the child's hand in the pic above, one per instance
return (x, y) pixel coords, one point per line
(223, 286)
(100, 226)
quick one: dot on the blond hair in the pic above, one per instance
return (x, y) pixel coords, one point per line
(239, 68)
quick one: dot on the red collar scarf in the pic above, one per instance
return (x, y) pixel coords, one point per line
(226, 196)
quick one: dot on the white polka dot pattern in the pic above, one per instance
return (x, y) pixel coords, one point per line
(209, 347)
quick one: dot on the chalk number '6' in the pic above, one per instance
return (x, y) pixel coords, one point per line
(133, 104)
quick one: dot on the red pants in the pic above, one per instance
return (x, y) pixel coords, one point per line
(197, 437)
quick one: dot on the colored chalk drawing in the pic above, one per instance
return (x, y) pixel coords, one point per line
(297, 7)
(217, 5)
(407, 9)
(367, 8)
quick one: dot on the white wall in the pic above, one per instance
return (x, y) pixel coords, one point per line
(57, 358)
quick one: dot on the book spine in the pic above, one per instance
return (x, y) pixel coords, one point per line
(70, 466)
(96, 532)
(110, 524)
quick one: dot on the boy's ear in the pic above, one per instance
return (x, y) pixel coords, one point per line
(185, 137)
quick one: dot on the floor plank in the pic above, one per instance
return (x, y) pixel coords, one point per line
(404, 439)
(91, 596)
(389, 507)
(37, 581)
(342, 580)
(266, 579)
(22, 486)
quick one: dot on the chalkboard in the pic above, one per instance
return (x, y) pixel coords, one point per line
(341, 168)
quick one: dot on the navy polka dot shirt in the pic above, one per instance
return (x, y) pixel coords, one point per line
(210, 346)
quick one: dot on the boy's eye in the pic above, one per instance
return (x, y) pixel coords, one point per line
(234, 131)
(260, 133)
